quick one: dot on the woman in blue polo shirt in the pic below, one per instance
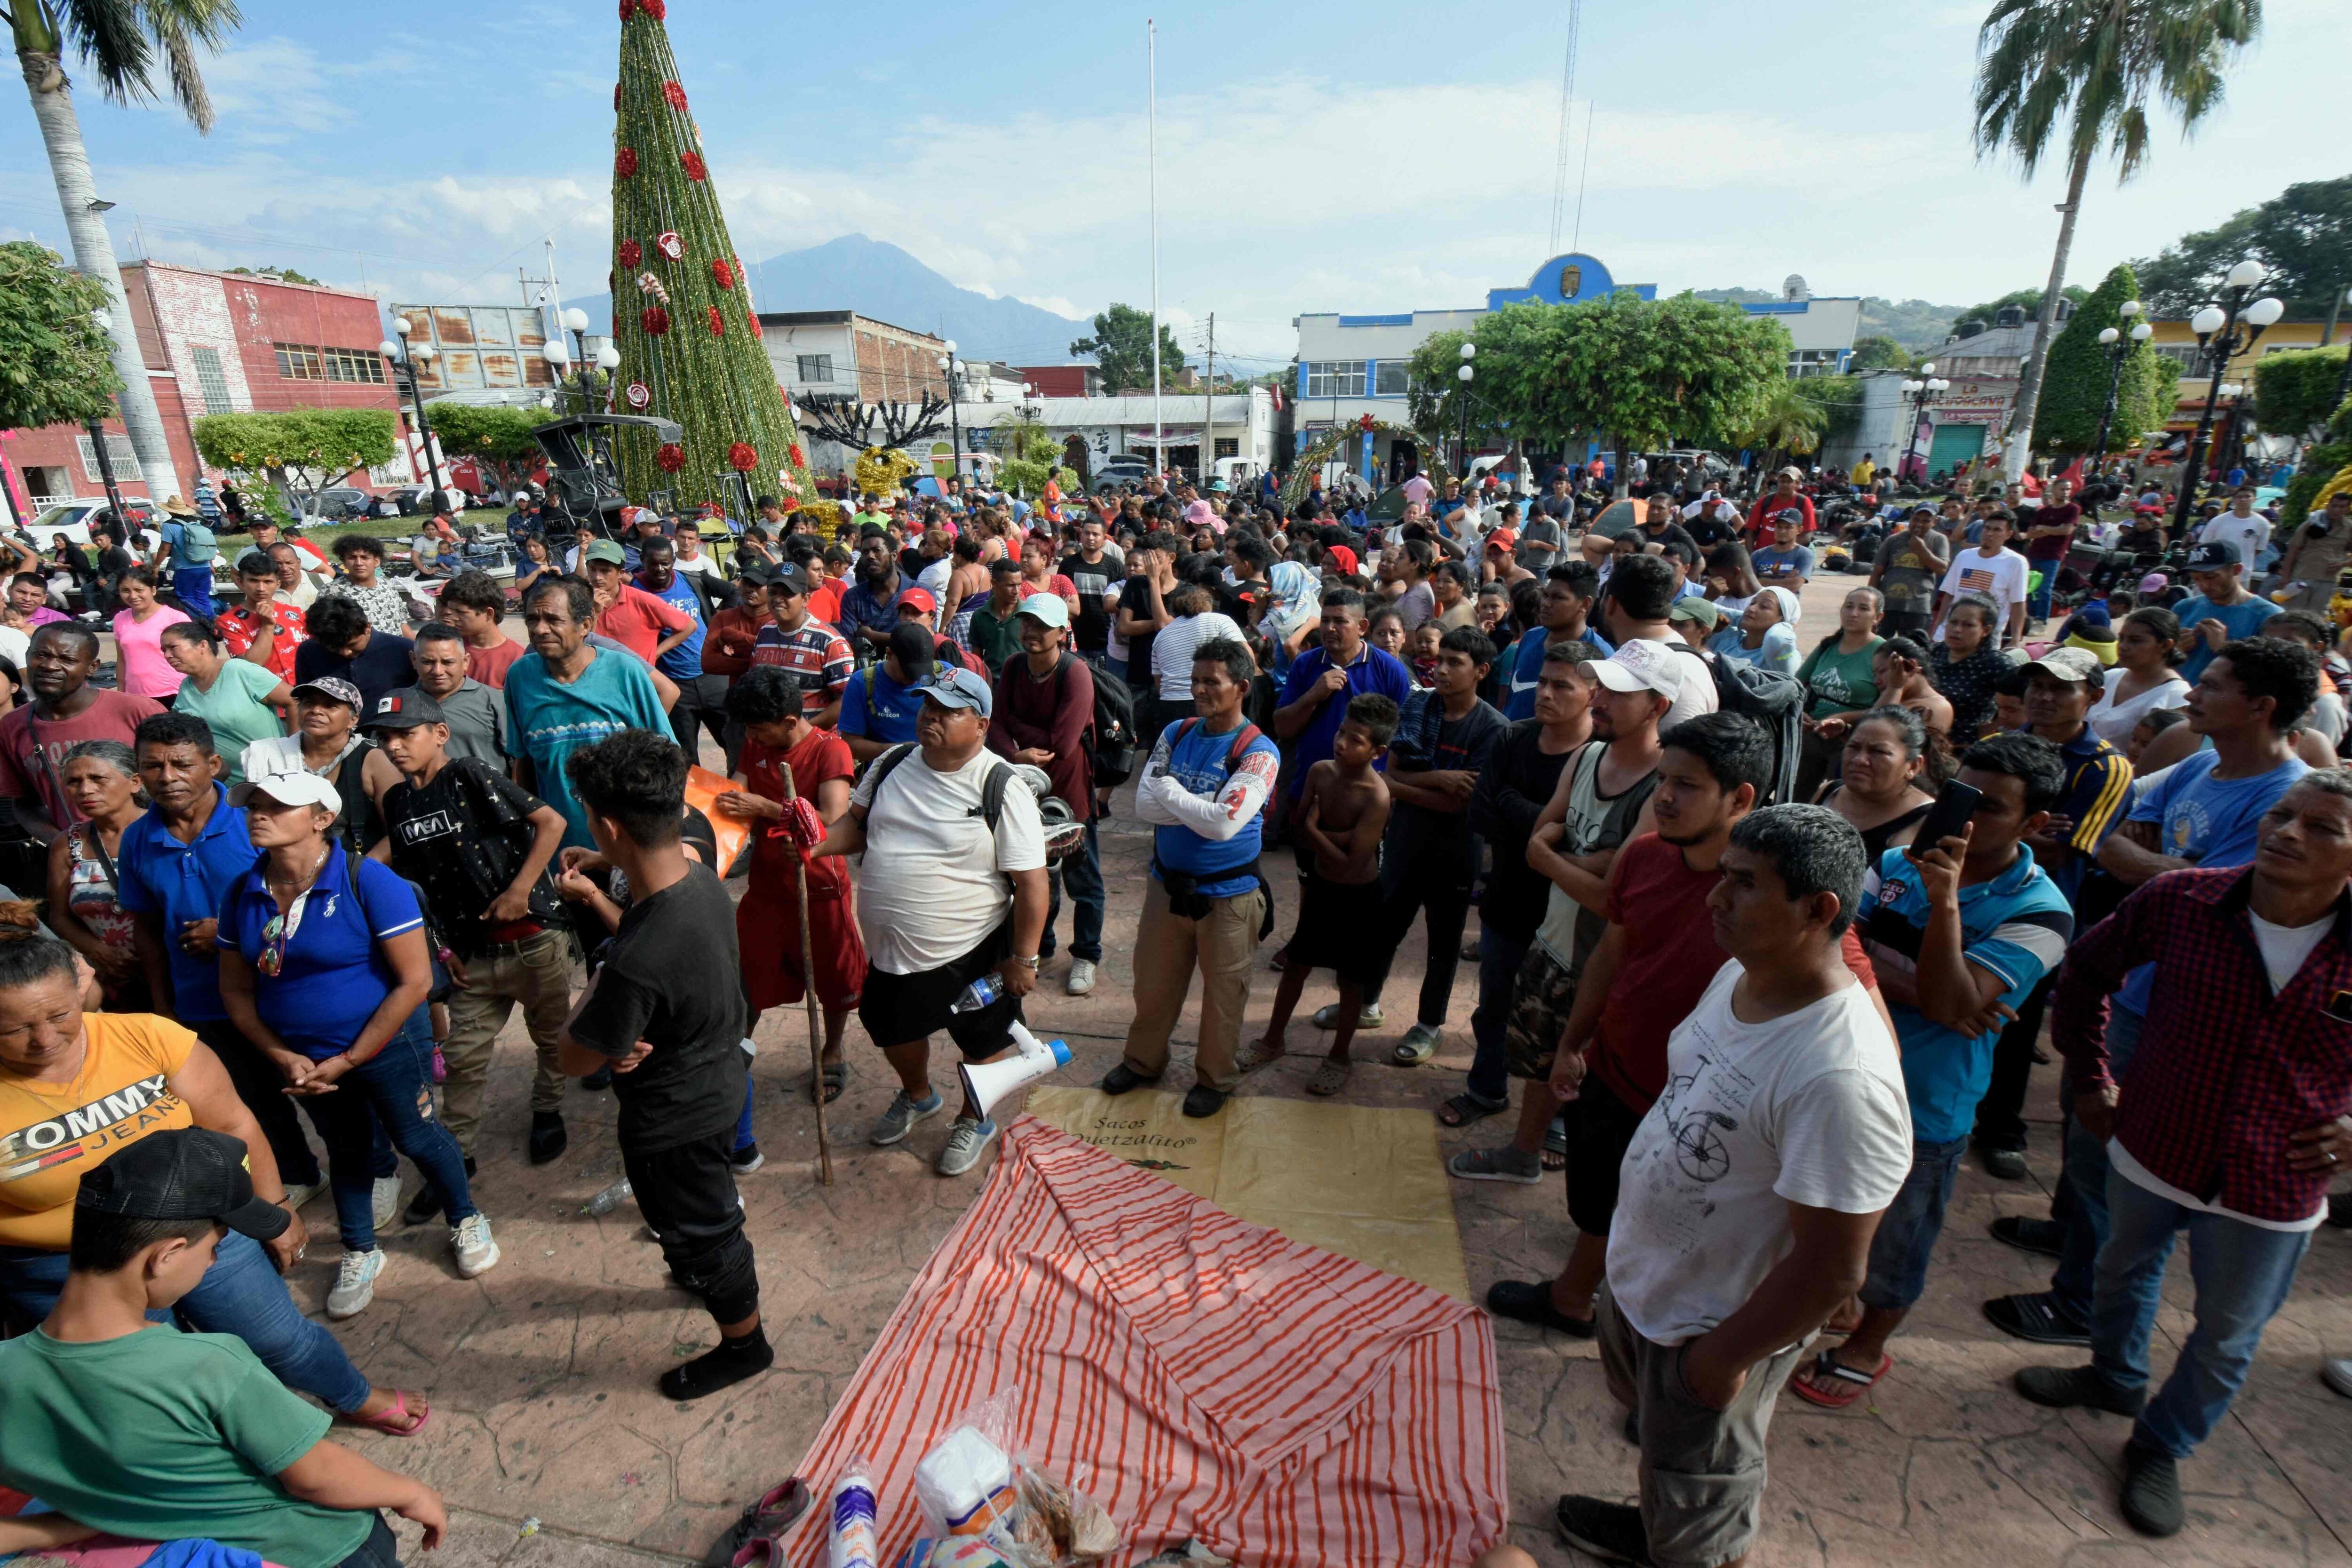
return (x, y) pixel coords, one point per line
(330, 981)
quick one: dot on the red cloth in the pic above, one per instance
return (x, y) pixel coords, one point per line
(2056, 546)
(727, 651)
(490, 665)
(825, 600)
(1670, 960)
(638, 621)
(240, 629)
(768, 921)
(1193, 1374)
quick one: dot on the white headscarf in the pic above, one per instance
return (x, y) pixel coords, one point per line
(1789, 606)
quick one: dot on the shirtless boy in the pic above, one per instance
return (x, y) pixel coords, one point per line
(1342, 812)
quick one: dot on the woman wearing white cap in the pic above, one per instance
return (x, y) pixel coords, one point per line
(324, 966)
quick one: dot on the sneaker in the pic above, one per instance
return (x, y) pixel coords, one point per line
(747, 1159)
(895, 1123)
(1123, 1077)
(299, 1193)
(354, 1285)
(1082, 976)
(1611, 1531)
(1419, 1044)
(2065, 1387)
(2036, 1320)
(422, 1207)
(966, 1138)
(385, 1200)
(548, 1138)
(1506, 1163)
(2046, 1237)
(2151, 1495)
(1369, 1016)
(2337, 1375)
(470, 1240)
(1530, 1301)
(2008, 1165)
(594, 1082)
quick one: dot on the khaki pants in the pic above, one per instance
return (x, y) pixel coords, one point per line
(535, 973)
(1224, 946)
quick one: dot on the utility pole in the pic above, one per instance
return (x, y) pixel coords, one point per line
(1208, 410)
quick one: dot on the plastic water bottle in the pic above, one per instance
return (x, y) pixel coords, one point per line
(855, 1540)
(611, 1198)
(980, 994)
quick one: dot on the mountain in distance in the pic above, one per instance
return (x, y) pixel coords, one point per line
(880, 280)
(1914, 323)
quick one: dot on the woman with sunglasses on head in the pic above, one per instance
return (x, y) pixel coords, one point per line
(324, 966)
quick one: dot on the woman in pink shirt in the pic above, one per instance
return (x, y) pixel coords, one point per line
(139, 667)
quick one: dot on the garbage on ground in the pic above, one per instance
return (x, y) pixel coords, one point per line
(985, 1507)
(530, 1527)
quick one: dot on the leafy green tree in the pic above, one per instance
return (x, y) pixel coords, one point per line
(1839, 400)
(1032, 455)
(2095, 66)
(1122, 347)
(2317, 469)
(1645, 373)
(301, 450)
(53, 366)
(495, 433)
(1788, 421)
(2303, 235)
(1434, 395)
(1878, 351)
(2075, 390)
(2026, 299)
(2295, 392)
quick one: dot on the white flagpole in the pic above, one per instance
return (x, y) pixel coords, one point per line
(1152, 186)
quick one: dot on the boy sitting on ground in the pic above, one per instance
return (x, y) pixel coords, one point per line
(1343, 811)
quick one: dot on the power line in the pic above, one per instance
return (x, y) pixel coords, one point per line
(1567, 143)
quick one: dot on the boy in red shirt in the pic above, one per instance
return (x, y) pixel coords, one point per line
(645, 624)
(261, 629)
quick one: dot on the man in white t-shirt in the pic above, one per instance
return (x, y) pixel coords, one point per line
(1993, 571)
(945, 899)
(1749, 1195)
(2244, 527)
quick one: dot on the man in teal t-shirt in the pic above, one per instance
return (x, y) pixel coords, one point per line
(566, 694)
(132, 1427)
(2221, 610)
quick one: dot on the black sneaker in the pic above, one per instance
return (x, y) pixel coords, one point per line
(1201, 1100)
(2151, 1496)
(548, 1138)
(1530, 1301)
(2046, 1237)
(747, 1159)
(1122, 1077)
(1611, 1531)
(2008, 1165)
(2035, 1319)
(2065, 1387)
(424, 1206)
(598, 1082)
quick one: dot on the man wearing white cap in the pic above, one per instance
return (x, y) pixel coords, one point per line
(1045, 707)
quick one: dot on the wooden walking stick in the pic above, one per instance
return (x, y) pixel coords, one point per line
(808, 988)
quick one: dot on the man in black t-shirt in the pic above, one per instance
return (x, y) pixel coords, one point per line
(479, 844)
(339, 642)
(664, 1009)
(1092, 568)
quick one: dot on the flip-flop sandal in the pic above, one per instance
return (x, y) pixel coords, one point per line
(776, 1510)
(1554, 1149)
(1255, 1055)
(1464, 1108)
(1329, 1079)
(395, 1420)
(1831, 1383)
(836, 1077)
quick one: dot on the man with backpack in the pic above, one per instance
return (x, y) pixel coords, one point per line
(1207, 904)
(1045, 717)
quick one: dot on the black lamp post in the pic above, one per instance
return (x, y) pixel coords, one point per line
(1925, 386)
(412, 357)
(2119, 345)
(1465, 375)
(955, 420)
(2223, 333)
(2343, 379)
(559, 358)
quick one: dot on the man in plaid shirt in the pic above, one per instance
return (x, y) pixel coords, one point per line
(2230, 1121)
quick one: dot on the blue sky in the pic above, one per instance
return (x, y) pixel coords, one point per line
(1315, 156)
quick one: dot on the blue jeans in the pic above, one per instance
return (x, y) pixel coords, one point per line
(380, 1550)
(241, 1294)
(744, 1138)
(2037, 598)
(1083, 873)
(1499, 958)
(2242, 1274)
(1906, 1240)
(195, 587)
(390, 1091)
(2085, 1177)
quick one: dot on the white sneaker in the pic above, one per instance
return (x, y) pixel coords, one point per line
(1082, 976)
(354, 1285)
(385, 1200)
(298, 1194)
(470, 1240)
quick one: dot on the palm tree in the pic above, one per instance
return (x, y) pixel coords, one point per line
(2095, 63)
(1787, 422)
(125, 42)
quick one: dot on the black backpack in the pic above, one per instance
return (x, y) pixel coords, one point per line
(1775, 702)
(991, 788)
(1110, 734)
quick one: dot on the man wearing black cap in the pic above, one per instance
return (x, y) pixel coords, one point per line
(816, 657)
(2221, 610)
(479, 846)
(134, 1429)
(879, 708)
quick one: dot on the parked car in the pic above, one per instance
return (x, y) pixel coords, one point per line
(1112, 472)
(337, 503)
(71, 519)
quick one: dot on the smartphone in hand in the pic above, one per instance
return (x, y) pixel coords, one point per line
(1956, 803)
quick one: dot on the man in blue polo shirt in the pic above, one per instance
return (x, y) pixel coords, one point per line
(2222, 608)
(1568, 593)
(1323, 681)
(882, 701)
(1959, 934)
(175, 865)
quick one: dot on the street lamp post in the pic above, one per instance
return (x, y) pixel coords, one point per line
(955, 421)
(559, 358)
(413, 357)
(1465, 375)
(2119, 345)
(2223, 333)
(2344, 378)
(1921, 389)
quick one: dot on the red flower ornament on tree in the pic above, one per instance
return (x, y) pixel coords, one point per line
(672, 458)
(756, 330)
(631, 254)
(722, 274)
(654, 9)
(617, 98)
(799, 460)
(654, 320)
(695, 168)
(1366, 423)
(718, 322)
(675, 95)
(625, 163)
(628, 8)
(743, 457)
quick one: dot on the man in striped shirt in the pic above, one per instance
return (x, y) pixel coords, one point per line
(813, 654)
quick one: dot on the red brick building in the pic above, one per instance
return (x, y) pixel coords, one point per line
(1062, 380)
(216, 343)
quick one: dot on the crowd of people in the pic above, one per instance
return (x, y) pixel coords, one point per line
(1770, 924)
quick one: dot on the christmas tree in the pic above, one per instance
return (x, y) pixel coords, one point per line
(682, 312)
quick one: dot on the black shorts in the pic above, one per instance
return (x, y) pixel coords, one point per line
(1339, 929)
(1599, 1130)
(900, 1009)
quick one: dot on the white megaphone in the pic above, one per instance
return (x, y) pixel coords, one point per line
(988, 1082)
